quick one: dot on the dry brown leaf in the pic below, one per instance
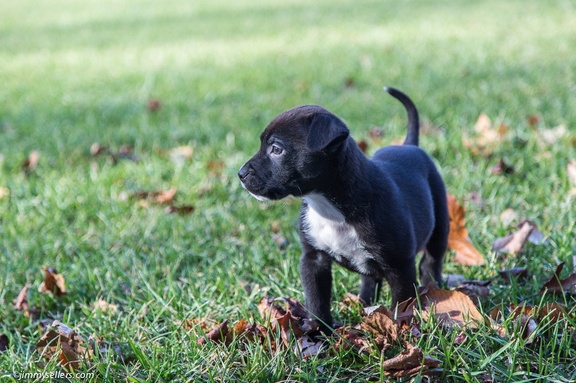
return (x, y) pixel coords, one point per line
(351, 337)
(105, 307)
(153, 105)
(409, 363)
(21, 301)
(502, 168)
(533, 120)
(156, 196)
(30, 163)
(515, 272)
(458, 239)
(560, 286)
(182, 209)
(363, 145)
(53, 282)
(181, 154)
(21, 304)
(165, 196)
(451, 308)
(4, 343)
(379, 321)
(486, 137)
(4, 192)
(508, 216)
(476, 290)
(306, 347)
(514, 243)
(215, 167)
(293, 319)
(64, 343)
(217, 334)
(553, 311)
(96, 149)
(551, 136)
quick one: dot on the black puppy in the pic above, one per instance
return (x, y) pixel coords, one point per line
(371, 216)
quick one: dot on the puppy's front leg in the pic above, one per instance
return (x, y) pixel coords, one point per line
(316, 274)
(370, 289)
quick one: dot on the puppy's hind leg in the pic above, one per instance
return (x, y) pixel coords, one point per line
(431, 263)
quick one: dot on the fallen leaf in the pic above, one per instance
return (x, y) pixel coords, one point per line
(182, 209)
(215, 167)
(180, 154)
(515, 272)
(21, 301)
(553, 311)
(293, 319)
(156, 196)
(380, 322)
(4, 192)
(560, 286)
(363, 145)
(306, 347)
(96, 149)
(351, 337)
(487, 136)
(376, 133)
(245, 330)
(31, 162)
(508, 216)
(4, 343)
(458, 239)
(454, 280)
(476, 290)
(105, 307)
(217, 334)
(349, 82)
(502, 168)
(526, 326)
(514, 243)
(460, 338)
(451, 308)
(476, 198)
(53, 282)
(533, 120)
(551, 136)
(64, 343)
(409, 363)
(153, 105)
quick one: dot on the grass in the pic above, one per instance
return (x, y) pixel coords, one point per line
(74, 73)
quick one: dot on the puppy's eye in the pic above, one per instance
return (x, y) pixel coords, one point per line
(276, 150)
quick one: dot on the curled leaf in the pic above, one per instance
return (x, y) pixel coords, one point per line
(64, 343)
(409, 363)
(556, 285)
(53, 282)
(458, 239)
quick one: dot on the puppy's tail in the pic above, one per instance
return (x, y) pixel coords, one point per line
(413, 120)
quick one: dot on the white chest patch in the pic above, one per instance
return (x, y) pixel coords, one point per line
(326, 229)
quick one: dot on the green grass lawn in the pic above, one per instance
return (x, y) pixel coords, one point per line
(73, 73)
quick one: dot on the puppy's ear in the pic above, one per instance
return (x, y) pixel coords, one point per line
(326, 132)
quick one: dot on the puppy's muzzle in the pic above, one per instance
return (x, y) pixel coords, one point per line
(244, 172)
(246, 175)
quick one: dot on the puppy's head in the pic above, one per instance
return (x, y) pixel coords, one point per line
(297, 154)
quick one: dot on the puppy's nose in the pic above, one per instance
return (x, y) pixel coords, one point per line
(243, 172)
